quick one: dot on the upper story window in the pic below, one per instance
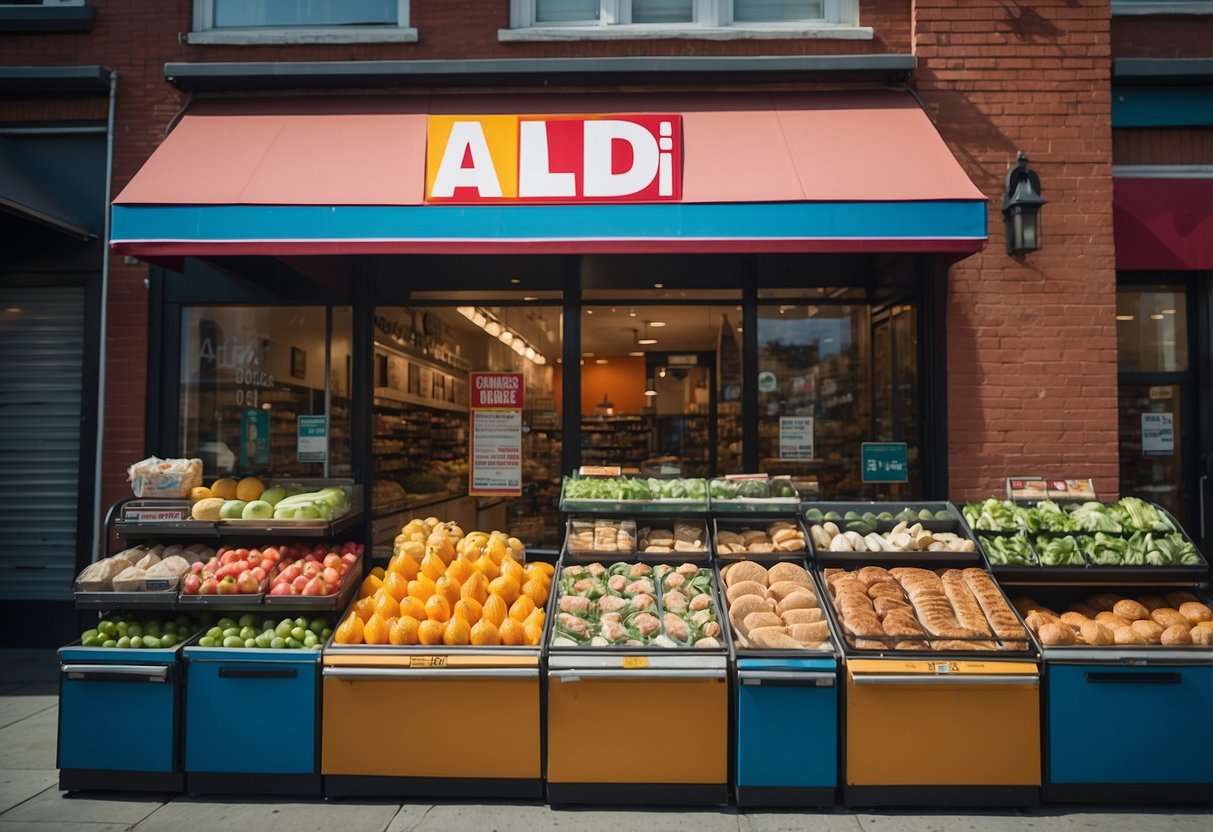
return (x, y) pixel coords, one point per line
(301, 21)
(714, 19)
(1126, 8)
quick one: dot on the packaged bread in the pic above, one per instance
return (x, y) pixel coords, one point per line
(131, 579)
(99, 576)
(148, 561)
(166, 573)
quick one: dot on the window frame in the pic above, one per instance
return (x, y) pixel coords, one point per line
(710, 20)
(204, 31)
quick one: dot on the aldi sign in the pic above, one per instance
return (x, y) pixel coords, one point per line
(553, 159)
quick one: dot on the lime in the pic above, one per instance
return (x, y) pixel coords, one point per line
(225, 622)
(132, 630)
(309, 640)
(294, 643)
(214, 632)
(136, 642)
(247, 633)
(298, 633)
(110, 643)
(151, 642)
(168, 640)
(246, 620)
(301, 622)
(124, 642)
(326, 633)
(278, 643)
(206, 641)
(233, 641)
(87, 634)
(284, 628)
(250, 643)
(92, 641)
(317, 626)
(263, 639)
(228, 632)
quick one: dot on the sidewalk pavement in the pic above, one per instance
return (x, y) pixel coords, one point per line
(30, 799)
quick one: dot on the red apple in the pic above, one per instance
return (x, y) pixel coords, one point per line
(332, 560)
(258, 573)
(197, 567)
(349, 559)
(271, 552)
(209, 587)
(320, 550)
(227, 586)
(331, 576)
(315, 587)
(299, 583)
(312, 568)
(191, 584)
(281, 589)
(290, 573)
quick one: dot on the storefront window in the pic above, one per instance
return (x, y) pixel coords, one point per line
(266, 390)
(423, 359)
(1151, 330)
(814, 361)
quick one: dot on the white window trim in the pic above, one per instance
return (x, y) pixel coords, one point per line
(711, 20)
(204, 32)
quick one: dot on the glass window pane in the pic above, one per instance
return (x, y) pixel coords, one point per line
(814, 361)
(248, 13)
(662, 11)
(423, 355)
(566, 11)
(767, 11)
(1152, 329)
(247, 374)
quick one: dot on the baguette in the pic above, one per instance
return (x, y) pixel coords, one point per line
(1002, 619)
(886, 589)
(968, 611)
(884, 606)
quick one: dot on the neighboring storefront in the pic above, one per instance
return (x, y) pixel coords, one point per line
(684, 285)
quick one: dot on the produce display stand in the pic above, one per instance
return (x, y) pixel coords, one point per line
(931, 727)
(680, 507)
(742, 505)
(610, 688)
(282, 756)
(438, 721)
(119, 727)
(787, 715)
(882, 518)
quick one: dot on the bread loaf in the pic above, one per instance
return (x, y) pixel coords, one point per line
(1202, 636)
(1127, 636)
(886, 589)
(802, 600)
(1111, 619)
(1092, 632)
(862, 623)
(901, 623)
(968, 611)
(745, 588)
(772, 638)
(745, 570)
(1002, 619)
(1168, 617)
(802, 616)
(1084, 610)
(782, 589)
(817, 631)
(1056, 633)
(1074, 618)
(789, 572)
(884, 606)
(869, 575)
(1149, 630)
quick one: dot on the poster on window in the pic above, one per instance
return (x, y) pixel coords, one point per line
(1157, 434)
(796, 437)
(496, 437)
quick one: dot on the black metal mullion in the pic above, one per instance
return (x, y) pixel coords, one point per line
(749, 366)
(570, 375)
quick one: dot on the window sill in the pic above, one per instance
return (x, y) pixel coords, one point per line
(625, 32)
(1129, 8)
(262, 37)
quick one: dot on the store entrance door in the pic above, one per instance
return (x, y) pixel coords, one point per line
(1161, 457)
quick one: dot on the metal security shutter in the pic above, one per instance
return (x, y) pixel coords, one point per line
(41, 355)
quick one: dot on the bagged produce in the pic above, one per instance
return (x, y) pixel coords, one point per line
(131, 579)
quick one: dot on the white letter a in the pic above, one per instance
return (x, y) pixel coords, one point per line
(466, 136)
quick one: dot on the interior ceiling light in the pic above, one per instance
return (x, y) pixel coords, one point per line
(631, 313)
(506, 337)
(647, 339)
(468, 312)
(530, 297)
(637, 354)
(518, 346)
(658, 285)
(649, 389)
(600, 361)
(1167, 311)
(661, 373)
(1157, 316)
(530, 353)
(495, 329)
(515, 281)
(1124, 317)
(656, 323)
(589, 311)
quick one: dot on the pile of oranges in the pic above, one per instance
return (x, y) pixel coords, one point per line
(444, 587)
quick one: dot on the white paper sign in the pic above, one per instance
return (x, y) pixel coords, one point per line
(313, 438)
(796, 437)
(1157, 434)
(496, 452)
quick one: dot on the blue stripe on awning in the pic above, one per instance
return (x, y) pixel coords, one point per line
(859, 221)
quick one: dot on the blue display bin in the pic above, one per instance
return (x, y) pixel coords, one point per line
(118, 727)
(787, 732)
(1129, 725)
(278, 692)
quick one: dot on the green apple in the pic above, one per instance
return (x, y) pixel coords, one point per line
(284, 514)
(257, 510)
(273, 495)
(232, 509)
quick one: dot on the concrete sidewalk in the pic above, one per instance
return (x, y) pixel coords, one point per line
(30, 798)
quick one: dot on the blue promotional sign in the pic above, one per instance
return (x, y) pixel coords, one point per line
(884, 462)
(254, 440)
(313, 440)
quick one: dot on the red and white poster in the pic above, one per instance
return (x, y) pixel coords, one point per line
(496, 435)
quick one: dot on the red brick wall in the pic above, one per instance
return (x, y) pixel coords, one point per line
(1031, 343)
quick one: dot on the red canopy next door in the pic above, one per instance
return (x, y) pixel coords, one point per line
(1163, 224)
(832, 172)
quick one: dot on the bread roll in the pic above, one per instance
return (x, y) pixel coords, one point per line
(862, 623)
(873, 574)
(1152, 601)
(755, 620)
(832, 573)
(802, 600)
(1036, 620)
(786, 571)
(745, 570)
(1092, 632)
(1056, 633)
(782, 589)
(1074, 618)
(901, 623)
(1195, 612)
(1130, 610)
(1176, 634)
(817, 631)
(1202, 636)
(1111, 619)
(846, 601)
(771, 638)
(884, 606)
(745, 588)
(746, 605)
(1168, 617)
(1179, 597)
(1025, 605)
(1127, 636)
(1103, 601)
(1084, 609)
(1149, 630)
(802, 616)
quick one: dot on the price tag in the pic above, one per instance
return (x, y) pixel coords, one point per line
(156, 515)
(600, 471)
(427, 661)
(635, 662)
(1026, 489)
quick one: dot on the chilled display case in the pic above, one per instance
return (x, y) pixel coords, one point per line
(1124, 712)
(225, 686)
(119, 720)
(629, 641)
(786, 698)
(932, 650)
